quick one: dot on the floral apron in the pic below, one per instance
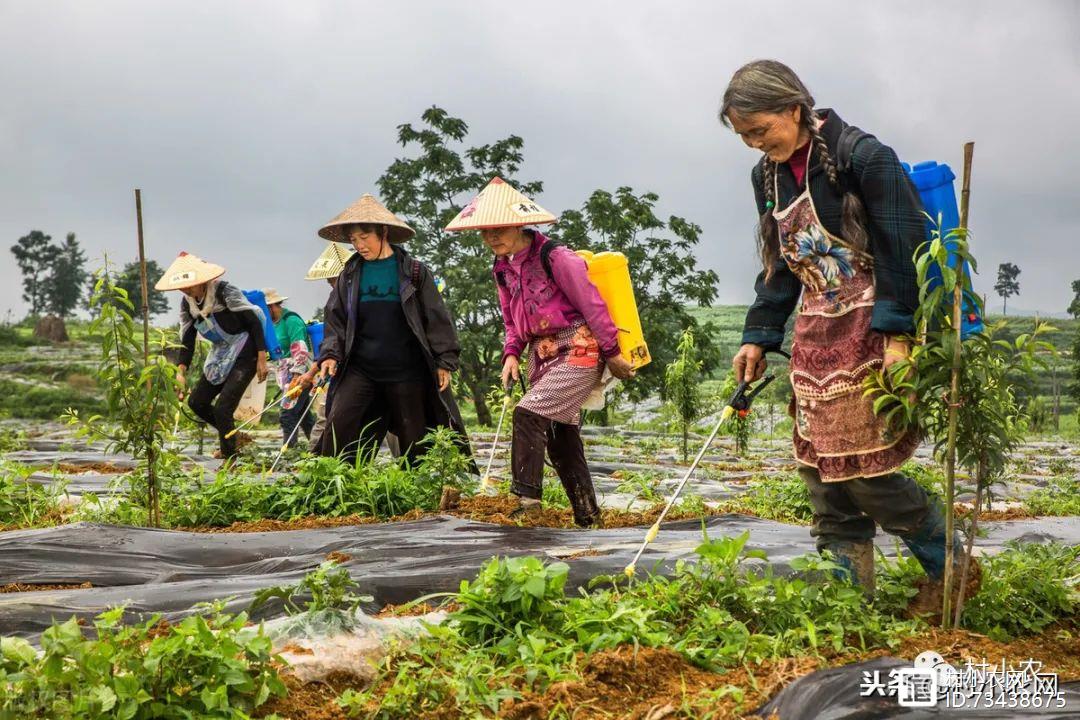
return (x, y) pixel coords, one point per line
(224, 349)
(836, 430)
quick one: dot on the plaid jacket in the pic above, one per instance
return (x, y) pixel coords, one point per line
(897, 228)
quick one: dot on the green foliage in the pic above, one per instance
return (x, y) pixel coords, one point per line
(516, 629)
(141, 396)
(642, 484)
(682, 386)
(129, 279)
(1061, 497)
(329, 603)
(1025, 589)
(67, 278)
(209, 665)
(664, 269)
(779, 497)
(24, 503)
(27, 401)
(191, 502)
(34, 254)
(914, 393)
(12, 439)
(738, 426)
(429, 190)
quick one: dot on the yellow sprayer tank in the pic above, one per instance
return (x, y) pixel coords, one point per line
(610, 273)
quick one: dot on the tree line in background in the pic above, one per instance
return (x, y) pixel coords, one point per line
(56, 282)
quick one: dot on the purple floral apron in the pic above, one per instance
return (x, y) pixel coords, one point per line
(835, 348)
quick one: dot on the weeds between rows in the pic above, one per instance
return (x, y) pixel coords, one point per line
(513, 634)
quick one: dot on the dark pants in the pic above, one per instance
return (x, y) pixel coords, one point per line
(220, 414)
(364, 410)
(847, 511)
(532, 435)
(297, 415)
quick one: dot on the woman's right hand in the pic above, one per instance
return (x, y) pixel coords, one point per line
(511, 370)
(328, 368)
(749, 363)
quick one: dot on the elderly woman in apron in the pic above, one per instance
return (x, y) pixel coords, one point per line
(220, 313)
(842, 240)
(548, 304)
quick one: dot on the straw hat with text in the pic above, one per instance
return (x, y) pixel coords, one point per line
(366, 210)
(186, 271)
(499, 205)
(331, 262)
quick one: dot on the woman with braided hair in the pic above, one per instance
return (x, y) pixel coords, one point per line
(842, 240)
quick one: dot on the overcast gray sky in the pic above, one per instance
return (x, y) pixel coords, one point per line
(249, 124)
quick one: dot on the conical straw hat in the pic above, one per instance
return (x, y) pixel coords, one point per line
(331, 262)
(272, 296)
(499, 205)
(187, 270)
(366, 210)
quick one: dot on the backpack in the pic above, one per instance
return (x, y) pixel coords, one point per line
(850, 137)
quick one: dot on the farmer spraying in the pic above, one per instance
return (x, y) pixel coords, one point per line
(842, 240)
(389, 343)
(293, 338)
(550, 306)
(219, 312)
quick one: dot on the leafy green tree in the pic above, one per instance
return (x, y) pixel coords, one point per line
(141, 395)
(664, 271)
(66, 279)
(1007, 285)
(429, 189)
(1074, 306)
(34, 253)
(130, 281)
(682, 387)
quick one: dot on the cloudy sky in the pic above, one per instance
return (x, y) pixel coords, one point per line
(249, 124)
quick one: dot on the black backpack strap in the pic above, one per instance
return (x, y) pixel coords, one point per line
(545, 255)
(850, 136)
(416, 273)
(498, 274)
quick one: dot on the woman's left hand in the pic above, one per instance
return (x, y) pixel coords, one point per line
(896, 349)
(261, 367)
(444, 378)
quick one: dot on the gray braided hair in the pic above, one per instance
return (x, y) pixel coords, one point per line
(770, 86)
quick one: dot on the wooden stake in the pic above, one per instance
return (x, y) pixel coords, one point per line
(954, 395)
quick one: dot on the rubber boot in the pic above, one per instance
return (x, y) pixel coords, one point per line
(927, 544)
(857, 561)
(568, 457)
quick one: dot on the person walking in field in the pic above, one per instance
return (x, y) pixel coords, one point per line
(292, 337)
(389, 343)
(838, 229)
(219, 312)
(550, 306)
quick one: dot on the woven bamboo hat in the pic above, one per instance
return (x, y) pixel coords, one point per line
(499, 205)
(273, 297)
(188, 270)
(366, 210)
(331, 262)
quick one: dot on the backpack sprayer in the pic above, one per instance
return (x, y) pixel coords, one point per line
(738, 404)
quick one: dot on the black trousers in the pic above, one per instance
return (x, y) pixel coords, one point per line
(220, 414)
(533, 434)
(364, 410)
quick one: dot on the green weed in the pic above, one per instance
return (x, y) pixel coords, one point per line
(781, 497)
(1061, 497)
(24, 503)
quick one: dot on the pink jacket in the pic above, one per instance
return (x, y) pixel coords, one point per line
(534, 305)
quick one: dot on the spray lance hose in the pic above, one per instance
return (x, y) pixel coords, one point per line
(739, 403)
(289, 392)
(507, 402)
(320, 387)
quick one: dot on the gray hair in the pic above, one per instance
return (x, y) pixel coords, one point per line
(764, 86)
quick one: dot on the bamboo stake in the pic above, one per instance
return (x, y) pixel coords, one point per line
(954, 395)
(980, 480)
(151, 453)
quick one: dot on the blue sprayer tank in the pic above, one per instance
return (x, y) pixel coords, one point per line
(258, 299)
(935, 185)
(315, 333)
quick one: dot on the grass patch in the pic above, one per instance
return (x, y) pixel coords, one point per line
(1061, 497)
(784, 498)
(35, 402)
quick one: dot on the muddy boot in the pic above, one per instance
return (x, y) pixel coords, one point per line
(927, 544)
(527, 450)
(527, 508)
(568, 457)
(857, 561)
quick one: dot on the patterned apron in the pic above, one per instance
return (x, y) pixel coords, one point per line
(836, 430)
(224, 349)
